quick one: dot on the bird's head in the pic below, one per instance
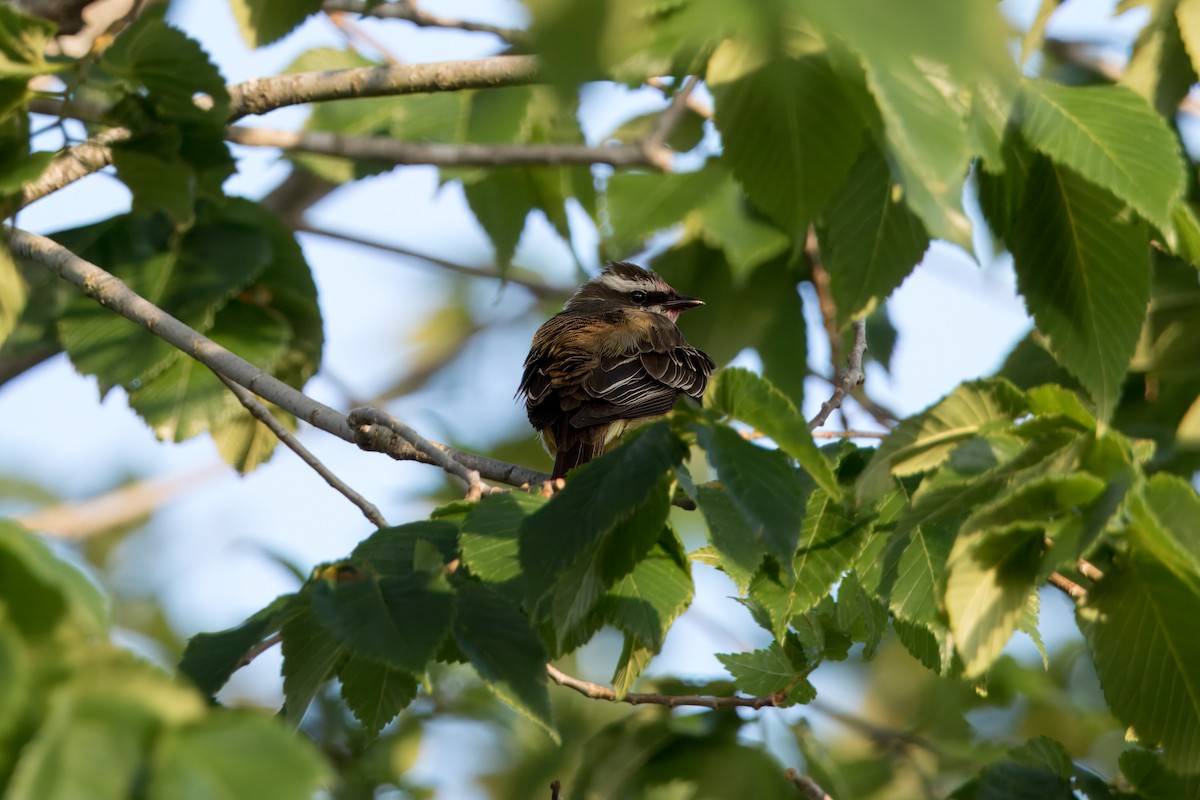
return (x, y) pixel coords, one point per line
(625, 285)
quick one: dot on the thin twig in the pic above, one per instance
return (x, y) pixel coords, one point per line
(653, 147)
(847, 379)
(555, 790)
(807, 786)
(1088, 570)
(408, 11)
(112, 293)
(261, 413)
(355, 34)
(820, 282)
(1070, 587)
(365, 418)
(695, 105)
(444, 154)
(520, 277)
(259, 649)
(597, 692)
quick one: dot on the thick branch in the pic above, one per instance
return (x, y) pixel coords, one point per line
(112, 293)
(260, 95)
(597, 692)
(848, 379)
(408, 11)
(442, 154)
(807, 786)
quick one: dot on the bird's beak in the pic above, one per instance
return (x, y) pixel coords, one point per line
(682, 303)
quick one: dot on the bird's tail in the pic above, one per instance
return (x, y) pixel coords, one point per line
(576, 446)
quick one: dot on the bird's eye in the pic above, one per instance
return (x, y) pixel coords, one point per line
(638, 297)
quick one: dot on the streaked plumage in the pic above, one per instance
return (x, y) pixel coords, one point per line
(610, 358)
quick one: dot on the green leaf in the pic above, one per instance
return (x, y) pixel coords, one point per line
(1110, 136)
(645, 602)
(398, 619)
(927, 140)
(169, 69)
(189, 278)
(394, 551)
(1138, 621)
(264, 21)
(739, 551)
(988, 580)
(375, 692)
(310, 656)
(789, 167)
(1154, 781)
(870, 240)
(1084, 273)
(725, 219)
(769, 671)
(13, 293)
(506, 652)
(612, 556)
(642, 203)
(599, 495)
(828, 544)
(489, 539)
(763, 486)
(23, 41)
(235, 754)
(743, 395)
(41, 591)
(211, 658)
(923, 442)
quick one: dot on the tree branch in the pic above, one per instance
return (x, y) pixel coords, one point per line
(442, 154)
(654, 148)
(1069, 587)
(260, 95)
(847, 379)
(408, 11)
(523, 278)
(363, 419)
(261, 413)
(807, 786)
(597, 692)
(112, 293)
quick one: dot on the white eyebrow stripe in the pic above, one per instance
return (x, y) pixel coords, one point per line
(620, 284)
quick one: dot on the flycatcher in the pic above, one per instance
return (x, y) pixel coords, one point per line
(610, 359)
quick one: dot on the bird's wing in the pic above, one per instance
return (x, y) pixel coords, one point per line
(645, 380)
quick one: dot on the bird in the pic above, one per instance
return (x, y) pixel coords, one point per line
(612, 358)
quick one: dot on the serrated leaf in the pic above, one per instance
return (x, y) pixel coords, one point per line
(927, 139)
(1028, 625)
(612, 556)
(989, 576)
(923, 442)
(763, 486)
(1138, 621)
(400, 620)
(789, 168)
(489, 539)
(23, 41)
(310, 656)
(393, 551)
(737, 549)
(1084, 273)
(645, 602)
(499, 642)
(238, 753)
(828, 543)
(1110, 136)
(209, 659)
(264, 21)
(743, 395)
(769, 671)
(597, 497)
(726, 220)
(375, 692)
(870, 240)
(640, 203)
